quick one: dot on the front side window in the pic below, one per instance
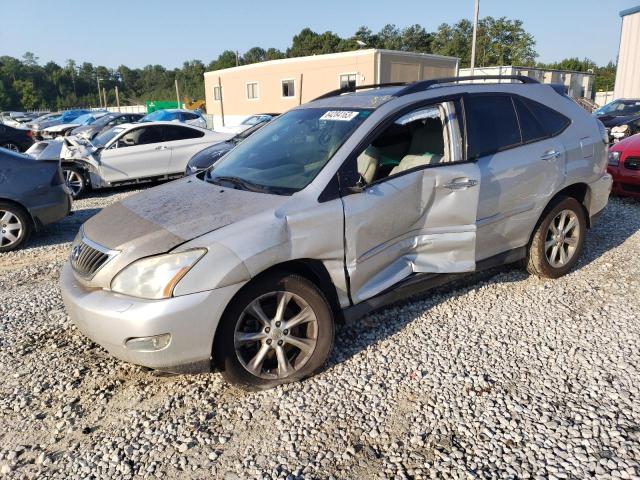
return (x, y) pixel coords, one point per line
(427, 136)
(288, 88)
(348, 80)
(284, 156)
(252, 90)
(492, 124)
(141, 136)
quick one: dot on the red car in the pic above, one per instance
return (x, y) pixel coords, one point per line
(624, 166)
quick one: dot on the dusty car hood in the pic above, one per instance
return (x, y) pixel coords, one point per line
(164, 217)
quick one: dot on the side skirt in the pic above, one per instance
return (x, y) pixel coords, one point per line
(421, 282)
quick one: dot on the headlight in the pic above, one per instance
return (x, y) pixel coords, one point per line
(155, 277)
(614, 159)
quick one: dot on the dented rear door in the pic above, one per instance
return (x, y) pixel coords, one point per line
(422, 221)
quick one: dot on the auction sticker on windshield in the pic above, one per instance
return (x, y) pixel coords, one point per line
(339, 115)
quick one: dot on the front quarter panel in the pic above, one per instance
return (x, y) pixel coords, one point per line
(303, 228)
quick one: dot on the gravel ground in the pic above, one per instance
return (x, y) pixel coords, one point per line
(502, 375)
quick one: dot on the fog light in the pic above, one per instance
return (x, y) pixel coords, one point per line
(148, 344)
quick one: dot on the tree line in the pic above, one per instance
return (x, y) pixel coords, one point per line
(27, 84)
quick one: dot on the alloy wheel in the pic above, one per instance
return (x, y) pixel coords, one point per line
(276, 335)
(10, 228)
(12, 146)
(73, 181)
(562, 238)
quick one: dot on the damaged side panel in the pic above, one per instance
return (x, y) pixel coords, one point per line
(413, 223)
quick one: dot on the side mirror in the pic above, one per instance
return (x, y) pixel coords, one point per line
(352, 182)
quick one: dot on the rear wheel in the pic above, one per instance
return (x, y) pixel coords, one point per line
(75, 179)
(278, 330)
(11, 146)
(558, 240)
(15, 226)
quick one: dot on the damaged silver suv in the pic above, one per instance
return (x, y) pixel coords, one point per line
(339, 206)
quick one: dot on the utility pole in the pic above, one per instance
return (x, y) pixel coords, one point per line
(237, 58)
(99, 92)
(177, 93)
(104, 93)
(476, 8)
(117, 98)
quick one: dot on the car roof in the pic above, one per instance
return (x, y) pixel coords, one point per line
(128, 126)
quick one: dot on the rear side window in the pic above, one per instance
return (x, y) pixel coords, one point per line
(552, 121)
(181, 133)
(531, 128)
(492, 124)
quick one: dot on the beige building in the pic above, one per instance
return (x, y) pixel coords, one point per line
(628, 73)
(577, 84)
(276, 86)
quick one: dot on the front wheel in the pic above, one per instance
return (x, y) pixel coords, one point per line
(278, 329)
(558, 240)
(75, 179)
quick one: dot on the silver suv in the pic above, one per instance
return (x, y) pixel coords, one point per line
(337, 207)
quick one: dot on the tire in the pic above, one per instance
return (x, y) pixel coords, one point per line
(15, 226)
(237, 355)
(14, 147)
(76, 180)
(550, 254)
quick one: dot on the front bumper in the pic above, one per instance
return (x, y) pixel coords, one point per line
(625, 182)
(110, 319)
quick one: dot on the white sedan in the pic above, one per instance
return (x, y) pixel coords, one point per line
(133, 153)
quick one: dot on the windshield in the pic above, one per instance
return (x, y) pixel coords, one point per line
(285, 156)
(620, 108)
(160, 116)
(101, 140)
(71, 115)
(102, 121)
(245, 133)
(256, 119)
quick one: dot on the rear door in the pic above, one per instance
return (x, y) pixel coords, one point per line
(522, 164)
(138, 153)
(418, 210)
(183, 143)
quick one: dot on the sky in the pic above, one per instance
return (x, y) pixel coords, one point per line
(168, 32)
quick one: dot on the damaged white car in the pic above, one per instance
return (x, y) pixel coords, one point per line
(337, 207)
(132, 153)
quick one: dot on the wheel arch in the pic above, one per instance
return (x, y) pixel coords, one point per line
(311, 269)
(34, 223)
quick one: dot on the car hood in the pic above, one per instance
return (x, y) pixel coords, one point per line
(47, 124)
(160, 219)
(612, 121)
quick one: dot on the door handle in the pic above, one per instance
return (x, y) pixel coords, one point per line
(453, 185)
(161, 147)
(550, 155)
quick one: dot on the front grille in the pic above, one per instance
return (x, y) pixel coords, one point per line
(632, 163)
(88, 257)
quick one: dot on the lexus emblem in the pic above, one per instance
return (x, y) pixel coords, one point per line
(75, 253)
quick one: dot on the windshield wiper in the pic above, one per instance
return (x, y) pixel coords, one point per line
(237, 181)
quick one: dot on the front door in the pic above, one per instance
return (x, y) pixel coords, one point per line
(138, 153)
(417, 212)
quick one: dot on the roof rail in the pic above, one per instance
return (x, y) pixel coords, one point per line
(425, 84)
(340, 91)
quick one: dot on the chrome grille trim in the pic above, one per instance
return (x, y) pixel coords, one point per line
(87, 257)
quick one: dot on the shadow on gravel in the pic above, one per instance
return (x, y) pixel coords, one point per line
(620, 221)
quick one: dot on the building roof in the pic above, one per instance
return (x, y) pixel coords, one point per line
(351, 53)
(630, 11)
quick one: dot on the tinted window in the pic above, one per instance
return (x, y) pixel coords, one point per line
(552, 121)
(141, 136)
(181, 133)
(492, 124)
(530, 127)
(189, 116)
